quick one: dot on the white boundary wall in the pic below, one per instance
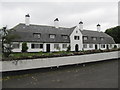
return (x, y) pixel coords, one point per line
(58, 61)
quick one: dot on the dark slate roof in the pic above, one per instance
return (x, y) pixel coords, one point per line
(26, 34)
(90, 34)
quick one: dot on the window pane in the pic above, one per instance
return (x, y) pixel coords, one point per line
(16, 45)
(85, 38)
(64, 46)
(76, 37)
(41, 45)
(85, 46)
(102, 46)
(36, 35)
(65, 36)
(56, 46)
(52, 36)
(90, 45)
(36, 45)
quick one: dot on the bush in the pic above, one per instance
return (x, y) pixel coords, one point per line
(68, 48)
(24, 47)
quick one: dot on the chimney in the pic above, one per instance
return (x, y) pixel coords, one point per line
(27, 20)
(98, 27)
(56, 23)
(81, 25)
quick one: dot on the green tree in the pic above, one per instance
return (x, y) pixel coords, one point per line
(6, 38)
(115, 33)
(24, 47)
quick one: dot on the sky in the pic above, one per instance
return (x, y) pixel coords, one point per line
(69, 13)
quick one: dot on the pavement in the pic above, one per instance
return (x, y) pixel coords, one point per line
(91, 75)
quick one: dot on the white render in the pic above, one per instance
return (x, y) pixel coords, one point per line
(76, 42)
(56, 62)
(56, 24)
(98, 28)
(77, 31)
(43, 49)
(81, 26)
(27, 21)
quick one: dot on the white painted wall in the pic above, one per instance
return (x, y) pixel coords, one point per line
(59, 61)
(89, 48)
(99, 46)
(52, 47)
(44, 47)
(74, 42)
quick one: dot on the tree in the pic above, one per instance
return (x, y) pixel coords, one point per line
(115, 33)
(24, 47)
(6, 38)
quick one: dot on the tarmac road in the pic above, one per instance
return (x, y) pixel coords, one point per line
(92, 75)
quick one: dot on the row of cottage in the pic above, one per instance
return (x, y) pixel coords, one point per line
(54, 38)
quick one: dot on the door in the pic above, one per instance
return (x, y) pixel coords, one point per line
(76, 48)
(107, 47)
(47, 47)
(95, 46)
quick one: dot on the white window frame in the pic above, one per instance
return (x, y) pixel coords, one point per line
(90, 45)
(102, 45)
(37, 46)
(85, 38)
(77, 38)
(101, 38)
(64, 45)
(36, 35)
(16, 44)
(94, 38)
(52, 36)
(56, 46)
(84, 45)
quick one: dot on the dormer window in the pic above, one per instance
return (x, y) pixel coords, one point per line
(85, 38)
(52, 36)
(101, 38)
(36, 35)
(64, 36)
(94, 38)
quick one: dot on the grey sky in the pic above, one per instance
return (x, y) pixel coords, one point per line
(69, 13)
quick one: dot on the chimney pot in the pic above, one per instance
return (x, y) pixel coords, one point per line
(56, 23)
(27, 20)
(81, 25)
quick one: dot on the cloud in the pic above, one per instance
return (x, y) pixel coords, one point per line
(69, 13)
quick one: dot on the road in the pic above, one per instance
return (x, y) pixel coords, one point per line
(92, 75)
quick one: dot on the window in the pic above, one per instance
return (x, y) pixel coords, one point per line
(90, 45)
(101, 38)
(85, 38)
(36, 35)
(15, 46)
(36, 46)
(85, 46)
(56, 46)
(52, 35)
(76, 37)
(103, 46)
(94, 38)
(64, 46)
(65, 36)
(110, 45)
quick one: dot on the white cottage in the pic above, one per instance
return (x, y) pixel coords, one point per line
(55, 38)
